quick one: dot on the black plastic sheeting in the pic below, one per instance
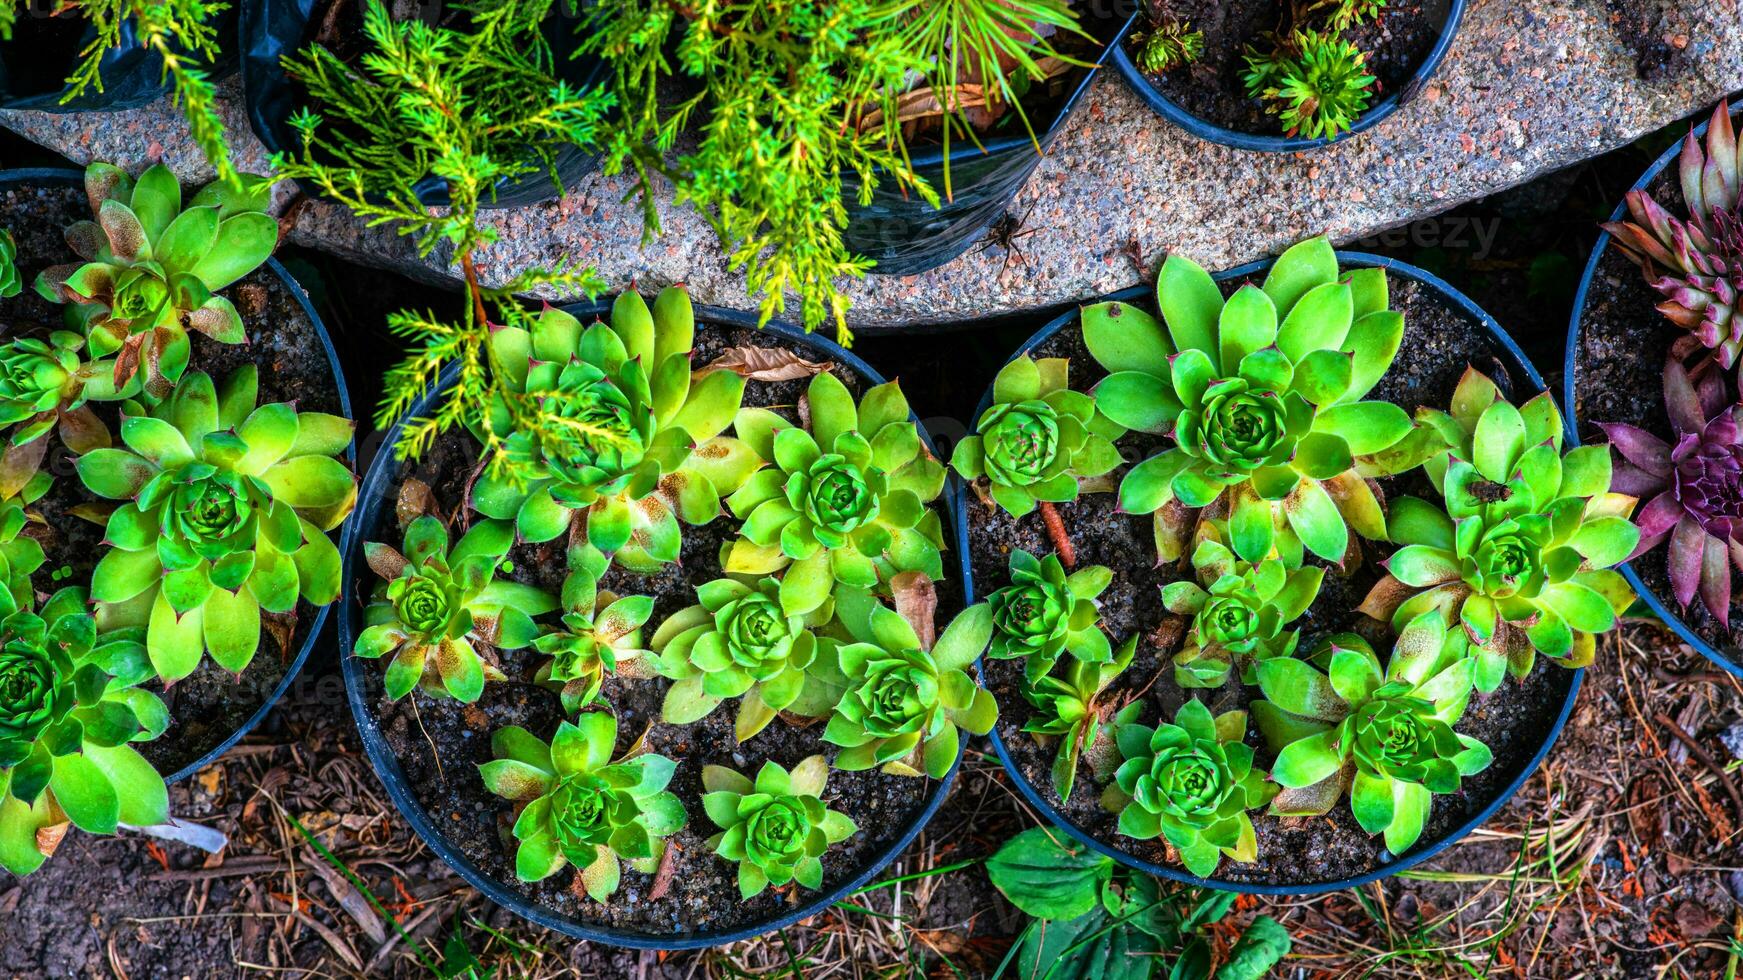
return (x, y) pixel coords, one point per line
(132, 75)
(906, 236)
(273, 28)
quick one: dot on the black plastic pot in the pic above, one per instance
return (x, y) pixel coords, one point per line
(75, 178)
(1515, 361)
(1664, 607)
(271, 29)
(1204, 129)
(376, 508)
(132, 75)
(905, 236)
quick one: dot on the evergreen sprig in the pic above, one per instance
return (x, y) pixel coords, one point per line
(475, 105)
(183, 35)
(798, 95)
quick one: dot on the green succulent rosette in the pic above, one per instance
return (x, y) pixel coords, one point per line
(900, 704)
(601, 635)
(225, 517)
(436, 606)
(1191, 782)
(1068, 709)
(1238, 615)
(1520, 556)
(630, 447)
(44, 385)
(10, 285)
(846, 499)
(776, 827)
(20, 554)
(1045, 612)
(1039, 438)
(576, 806)
(1262, 396)
(70, 711)
(1384, 734)
(736, 642)
(151, 269)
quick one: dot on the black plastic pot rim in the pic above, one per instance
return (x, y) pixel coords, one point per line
(378, 487)
(1042, 802)
(1204, 129)
(1659, 607)
(62, 175)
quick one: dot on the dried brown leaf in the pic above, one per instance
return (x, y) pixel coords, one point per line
(764, 364)
(917, 601)
(415, 500)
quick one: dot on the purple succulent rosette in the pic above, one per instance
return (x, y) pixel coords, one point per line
(1695, 486)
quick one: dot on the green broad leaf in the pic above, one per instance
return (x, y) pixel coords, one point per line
(807, 584)
(1251, 524)
(174, 643)
(1301, 267)
(1320, 320)
(1248, 323)
(1315, 519)
(832, 410)
(1322, 455)
(115, 474)
(881, 406)
(1498, 441)
(156, 200)
(245, 241)
(1296, 687)
(1307, 761)
(1367, 427)
(538, 858)
(1413, 520)
(1323, 376)
(1583, 609)
(1017, 381)
(1371, 801)
(1265, 942)
(1585, 472)
(1421, 566)
(633, 323)
(1123, 338)
(1410, 806)
(1139, 400)
(964, 639)
(1542, 421)
(1268, 370)
(711, 406)
(231, 628)
(143, 798)
(1049, 875)
(84, 791)
(1372, 344)
(1191, 305)
(1368, 291)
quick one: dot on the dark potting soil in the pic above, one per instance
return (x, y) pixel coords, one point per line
(1619, 377)
(210, 705)
(1656, 31)
(1212, 89)
(1439, 342)
(440, 743)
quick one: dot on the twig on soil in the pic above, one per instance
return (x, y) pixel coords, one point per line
(1056, 531)
(1701, 755)
(663, 874)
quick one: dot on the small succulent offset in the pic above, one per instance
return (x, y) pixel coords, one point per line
(601, 634)
(1317, 84)
(1068, 708)
(1167, 45)
(70, 709)
(1520, 555)
(1693, 487)
(45, 383)
(1038, 439)
(1383, 734)
(20, 554)
(777, 827)
(625, 444)
(1261, 394)
(736, 642)
(438, 604)
(844, 502)
(226, 516)
(577, 806)
(151, 268)
(1045, 612)
(1696, 263)
(1191, 782)
(1239, 615)
(902, 703)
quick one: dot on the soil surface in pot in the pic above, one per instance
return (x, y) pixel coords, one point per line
(440, 743)
(1212, 89)
(1619, 377)
(1439, 342)
(210, 705)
